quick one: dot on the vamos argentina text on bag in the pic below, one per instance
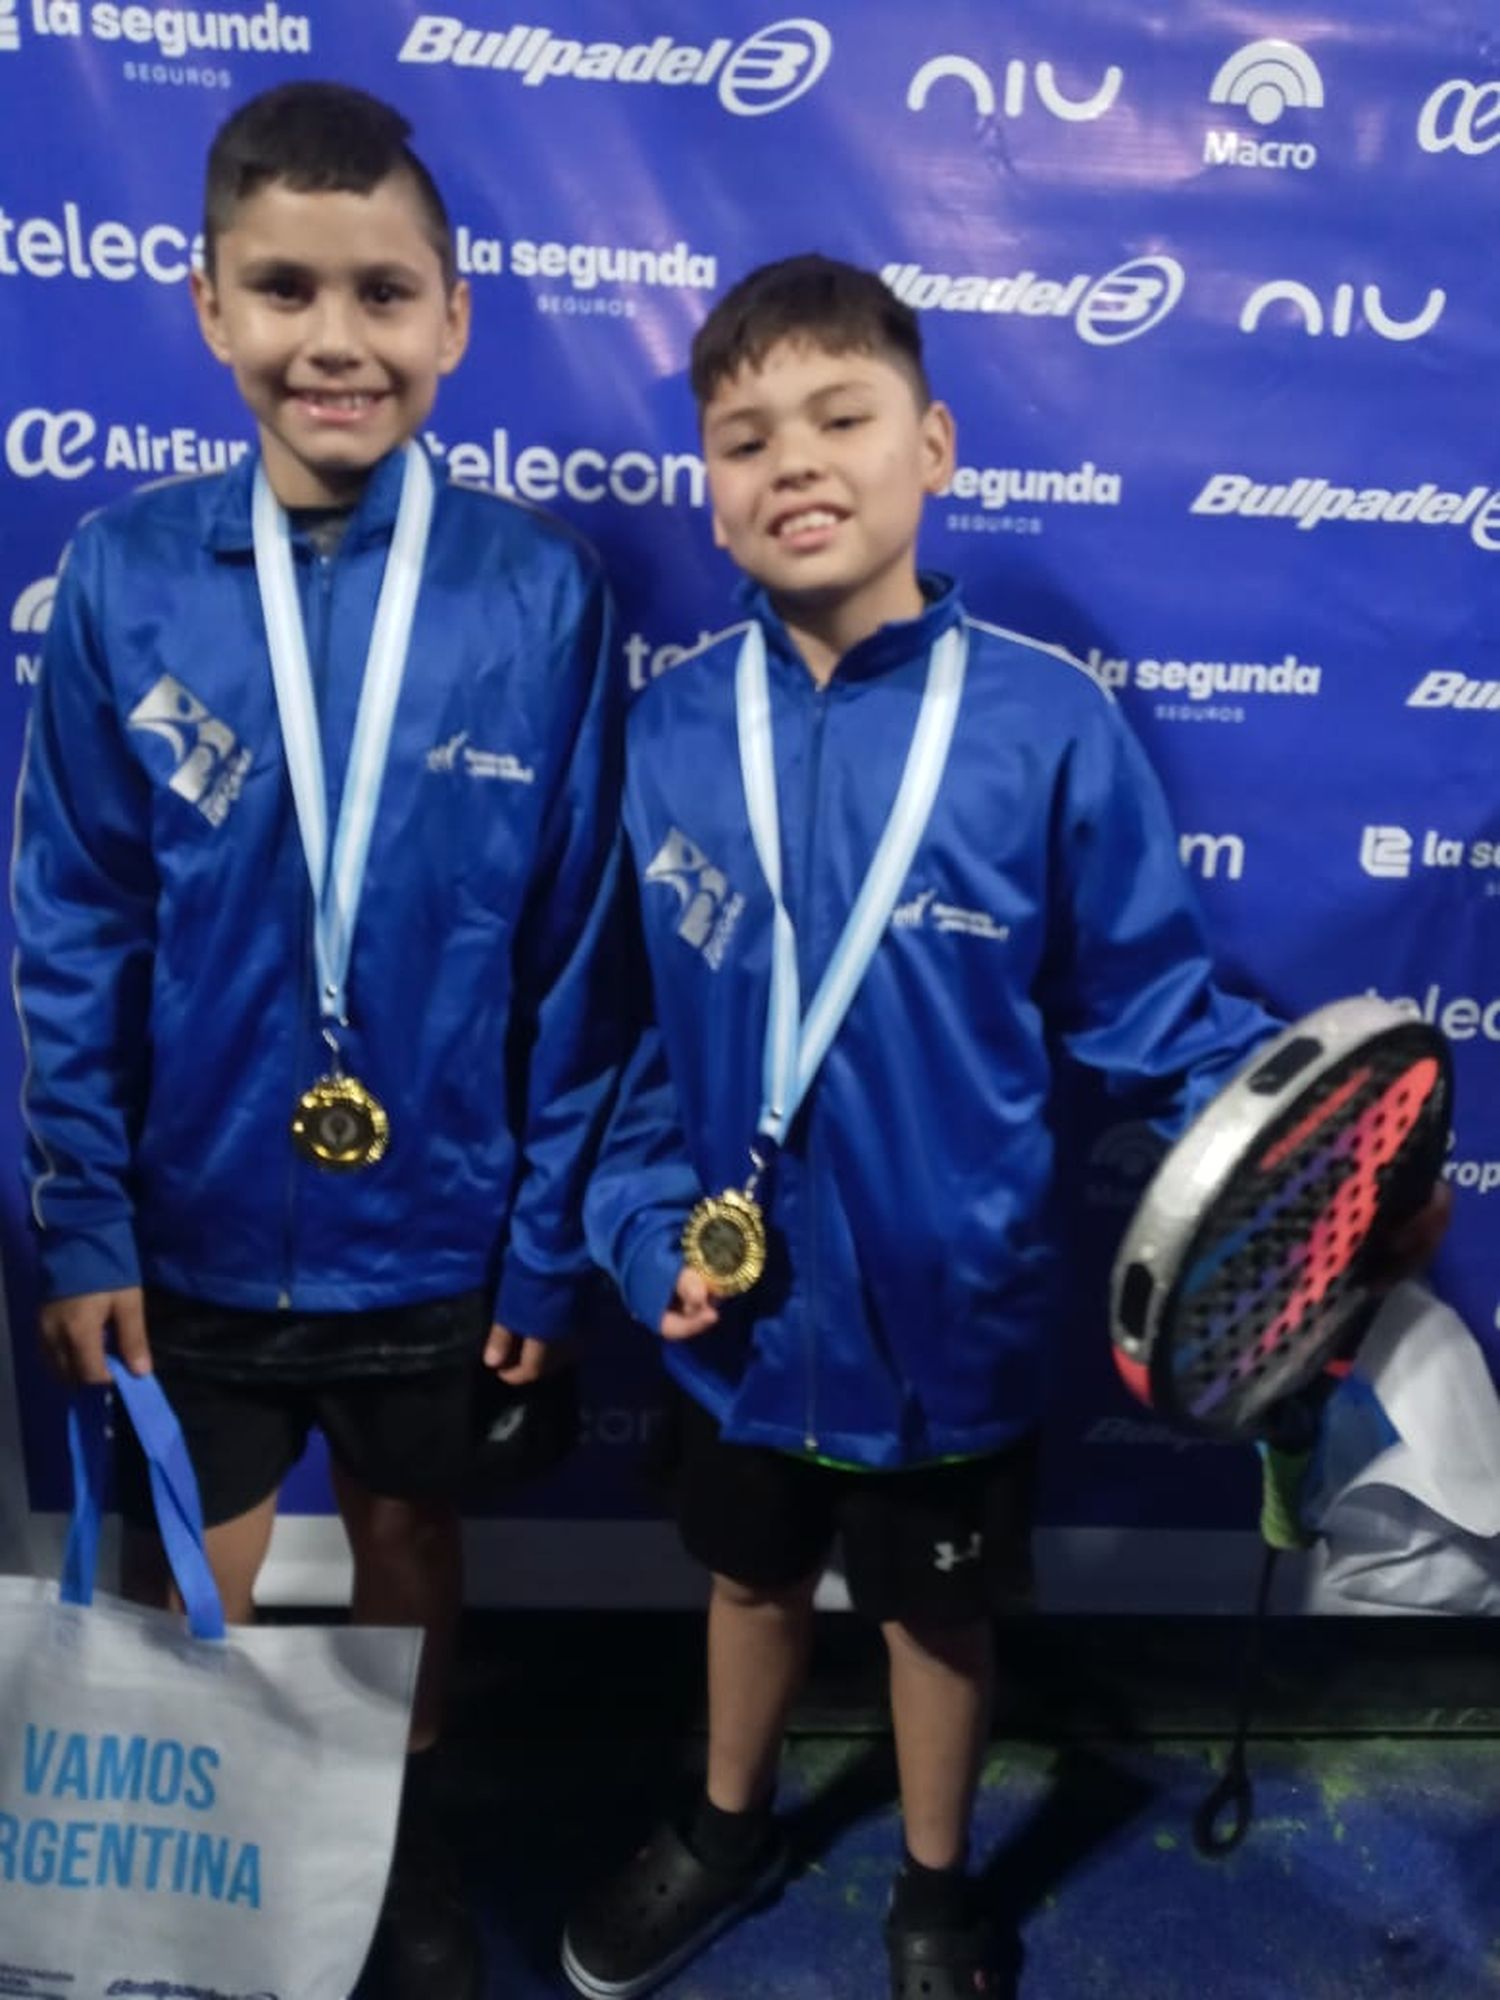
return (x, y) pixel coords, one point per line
(185, 1809)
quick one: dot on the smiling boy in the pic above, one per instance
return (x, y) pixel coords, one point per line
(935, 863)
(313, 883)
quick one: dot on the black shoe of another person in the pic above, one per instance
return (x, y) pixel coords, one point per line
(659, 1911)
(427, 1944)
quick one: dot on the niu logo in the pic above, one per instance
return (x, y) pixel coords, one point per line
(210, 766)
(1017, 76)
(1340, 318)
(1268, 78)
(700, 887)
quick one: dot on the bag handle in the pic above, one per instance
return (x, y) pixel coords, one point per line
(174, 1493)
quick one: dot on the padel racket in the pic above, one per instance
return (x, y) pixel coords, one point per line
(1254, 1255)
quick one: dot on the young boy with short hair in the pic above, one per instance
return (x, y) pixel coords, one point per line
(894, 863)
(316, 856)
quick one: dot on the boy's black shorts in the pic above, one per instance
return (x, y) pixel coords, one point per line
(403, 1430)
(938, 1545)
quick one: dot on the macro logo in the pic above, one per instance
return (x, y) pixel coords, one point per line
(1122, 305)
(1461, 117)
(1018, 78)
(1266, 79)
(10, 28)
(1339, 317)
(768, 70)
(30, 616)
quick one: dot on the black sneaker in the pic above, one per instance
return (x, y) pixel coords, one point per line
(427, 1944)
(661, 1909)
(940, 1964)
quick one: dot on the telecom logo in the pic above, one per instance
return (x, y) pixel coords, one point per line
(1392, 853)
(767, 71)
(177, 31)
(30, 616)
(1348, 309)
(709, 910)
(1461, 1018)
(1122, 305)
(1207, 855)
(1461, 117)
(66, 444)
(10, 28)
(71, 245)
(646, 662)
(1445, 688)
(1019, 77)
(538, 473)
(1309, 502)
(1265, 79)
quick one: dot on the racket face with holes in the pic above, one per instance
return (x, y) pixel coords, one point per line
(1251, 1255)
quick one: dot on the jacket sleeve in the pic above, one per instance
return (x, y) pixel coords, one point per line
(568, 1027)
(644, 1183)
(1130, 984)
(84, 891)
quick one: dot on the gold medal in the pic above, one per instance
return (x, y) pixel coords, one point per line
(725, 1240)
(341, 1125)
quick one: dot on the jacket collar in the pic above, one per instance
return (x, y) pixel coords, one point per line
(891, 646)
(229, 530)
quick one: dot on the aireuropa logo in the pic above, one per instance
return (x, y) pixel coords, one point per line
(175, 32)
(1209, 855)
(1121, 305)
(1461, 117)
(10, 28)
(72, 246)
(1393, 853)
(65, 444)
(1018, 78)
(767, 71)
(1446, 688)
(1310, 502)
(1266, 79)
(542, 474)
(1348, 309)
(209, 766)
(709, 908)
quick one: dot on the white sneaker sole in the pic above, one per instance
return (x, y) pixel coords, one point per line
(760, 1890)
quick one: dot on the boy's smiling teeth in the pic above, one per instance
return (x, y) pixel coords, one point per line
(813, 517)
(337, 399)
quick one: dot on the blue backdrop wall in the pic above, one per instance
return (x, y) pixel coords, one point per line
(1211, 289)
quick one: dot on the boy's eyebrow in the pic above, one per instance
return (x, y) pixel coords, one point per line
(756, 412)
(272, 264)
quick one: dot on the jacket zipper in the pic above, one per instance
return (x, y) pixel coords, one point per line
(323, 571)
(805, 902)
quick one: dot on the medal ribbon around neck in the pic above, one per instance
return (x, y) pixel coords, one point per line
(338, 882)
(338, 1123)
(725, 1237)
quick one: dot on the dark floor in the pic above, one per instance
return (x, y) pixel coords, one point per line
(1372, 1868)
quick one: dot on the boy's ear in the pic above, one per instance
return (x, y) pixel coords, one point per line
(210, 321)
(456, 326)
(939, 446)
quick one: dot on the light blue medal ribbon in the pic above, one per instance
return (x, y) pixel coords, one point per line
(337, 878)
(725, 1235)
(796, 1044)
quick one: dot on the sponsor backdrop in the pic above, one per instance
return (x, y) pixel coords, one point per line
(1212, 292)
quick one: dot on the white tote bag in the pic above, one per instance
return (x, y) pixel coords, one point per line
(185, 1809)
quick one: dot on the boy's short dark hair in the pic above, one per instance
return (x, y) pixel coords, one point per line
(819, 299)
(317, 138)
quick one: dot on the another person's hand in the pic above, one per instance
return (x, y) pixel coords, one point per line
(519, 1361)
(74, 1334)
(694, 1307)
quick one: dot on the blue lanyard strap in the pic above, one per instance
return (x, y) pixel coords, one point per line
(337, 884)
(796, 1044)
